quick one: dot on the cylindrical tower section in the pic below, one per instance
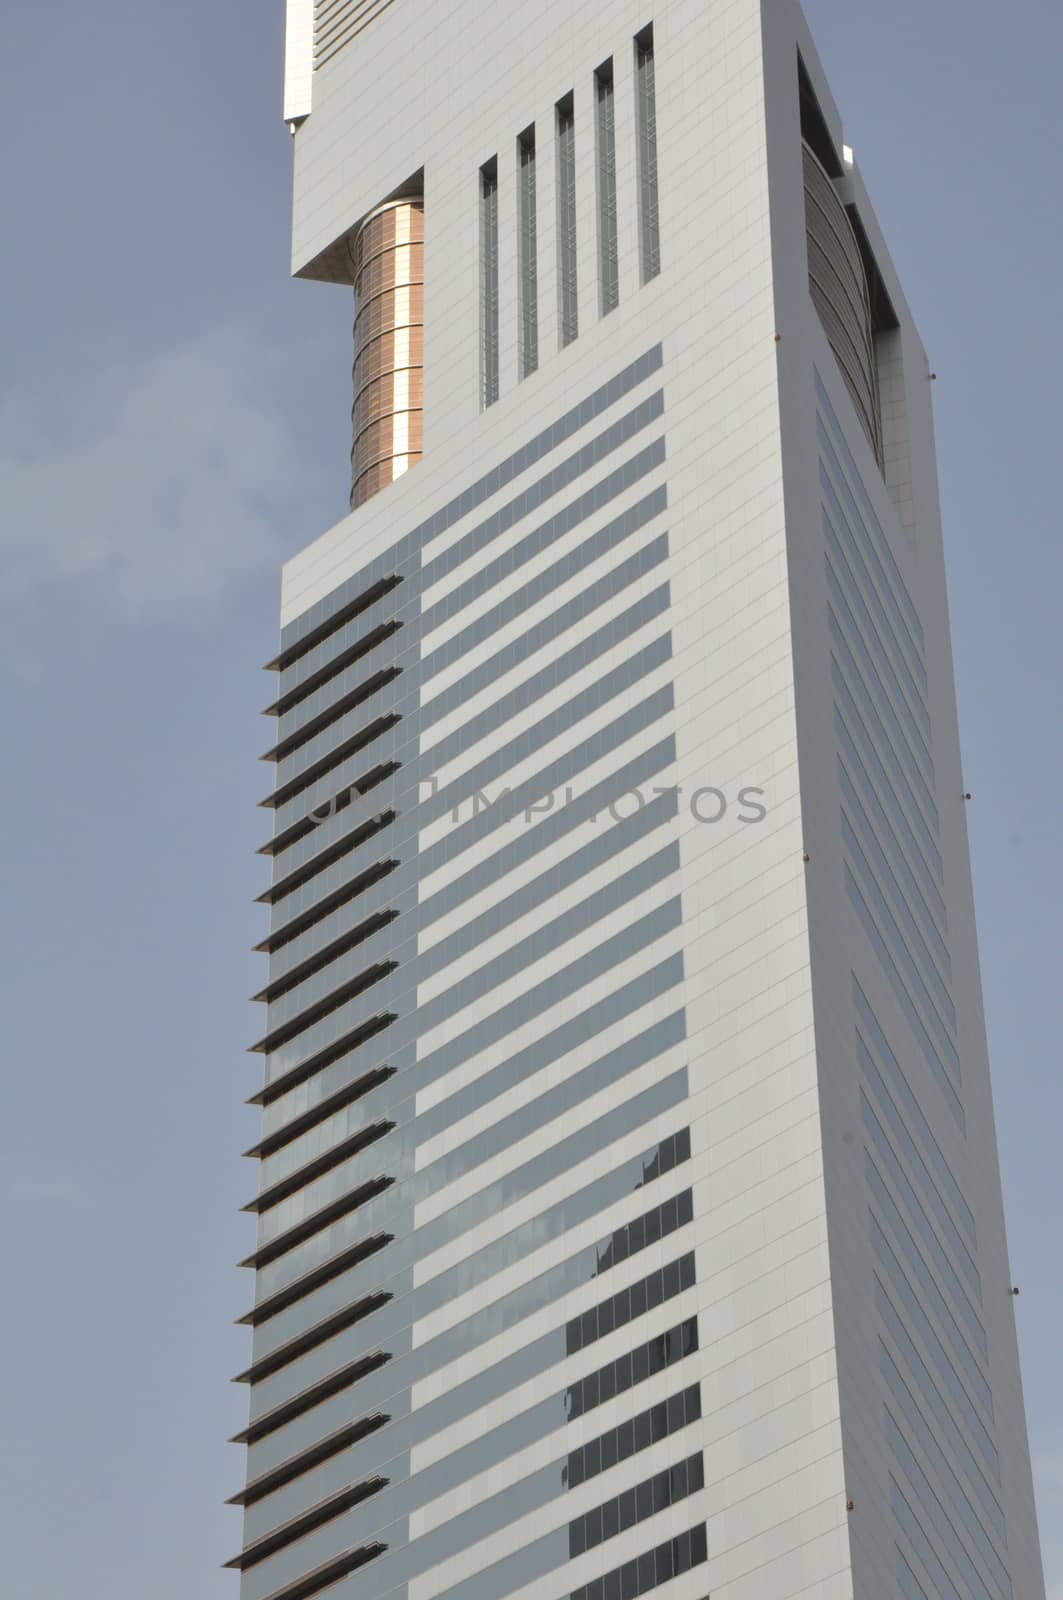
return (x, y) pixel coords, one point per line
(387, 253)
(838, 281)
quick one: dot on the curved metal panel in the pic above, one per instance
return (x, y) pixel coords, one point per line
(387, 255)
(841, 294)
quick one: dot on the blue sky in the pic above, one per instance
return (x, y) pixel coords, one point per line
(174, 420)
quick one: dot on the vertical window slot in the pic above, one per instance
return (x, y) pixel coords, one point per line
(646, 121)
(489, 283)
(527, 254)
(605, 153)
(568, 316)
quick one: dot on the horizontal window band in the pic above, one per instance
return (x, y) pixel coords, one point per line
(964, 1369)
(332, 713)
(894, 864)
(554, 528)
(894, 745)
(938, 1578)
(579, 1028)
(545, 632)
(911, 1105)
(384, 1390)
(331, 932)
(303, 631)
(929, 1228)
(323, 1163)
(309, 869)
(583, 918)
(876, 660)
(902, 595)
(861, 585)
(335, 698)
(506, 711)
(565, 718)
(332, 669)
(319, 1220)
(881, 796)
(543, 1419)
(321, 1112)
(413, 1305)
(621, 1119)
(548, 834)
(930, 1445)
(648, 1571)
(899, 1256)
(646, 1360)
(323, 1007)
(554, 990)
(307, 1069)
(563, 571)
(319, 1452)
(389, 1211)
(309, 1338)
(553, 776)
(908, 1006)
(285, 932)
(320, 769)
(332, 1268)
(329, 952)
(332, 1571)
(926, 1496)
(551, 1105)
(933, 1399)
(336, 621)
(328, 666)
(913, 967)
(308, 1399)
(306, 1523)
(380, 947)
(339, 723)
(294, 833)
(537, 542)
(636, 1504)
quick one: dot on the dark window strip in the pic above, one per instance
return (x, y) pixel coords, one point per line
(646, 1360)
(636, 1434)
(638, 1298)
(649, 1571)
(635, 1505)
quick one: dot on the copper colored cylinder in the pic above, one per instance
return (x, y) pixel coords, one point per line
(388, 258)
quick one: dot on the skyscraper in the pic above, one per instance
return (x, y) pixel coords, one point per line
(629, 1213)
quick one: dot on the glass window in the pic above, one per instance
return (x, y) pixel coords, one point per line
(568, 317)
(646, 123)
(605, 151)
(527, 251)
(489, 283)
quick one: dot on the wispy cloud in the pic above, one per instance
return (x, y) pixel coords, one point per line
(160, 479)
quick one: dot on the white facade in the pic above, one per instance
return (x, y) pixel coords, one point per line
(814, 1175)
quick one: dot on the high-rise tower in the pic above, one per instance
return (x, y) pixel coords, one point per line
(629, 1213)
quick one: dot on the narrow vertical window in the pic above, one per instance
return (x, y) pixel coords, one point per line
(528, 266)
(489, 283)
(566, 220)
(605, 131)
(646, 118)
